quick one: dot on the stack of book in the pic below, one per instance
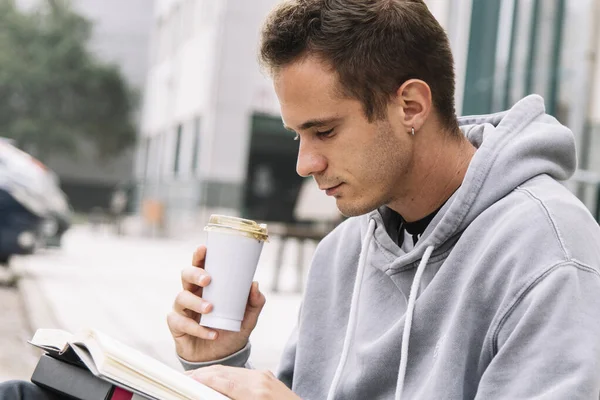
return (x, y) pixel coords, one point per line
(90, 365)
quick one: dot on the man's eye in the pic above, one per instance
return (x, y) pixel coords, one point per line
(324, 133)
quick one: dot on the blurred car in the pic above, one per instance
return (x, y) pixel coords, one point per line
(34, 211)
(58, 219)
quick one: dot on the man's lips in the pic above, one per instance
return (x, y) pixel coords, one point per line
(331, 190)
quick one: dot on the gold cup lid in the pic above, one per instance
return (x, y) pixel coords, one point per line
(241, 225)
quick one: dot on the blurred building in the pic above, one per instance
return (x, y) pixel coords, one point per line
(121, 36)
(517, 47)
(212, 135)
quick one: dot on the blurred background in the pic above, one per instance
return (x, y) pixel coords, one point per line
(124, 124)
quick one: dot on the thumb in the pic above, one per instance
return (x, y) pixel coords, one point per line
(256, 302)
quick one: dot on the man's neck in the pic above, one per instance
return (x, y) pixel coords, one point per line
(438, 171)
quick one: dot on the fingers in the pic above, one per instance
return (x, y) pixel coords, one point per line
(256, 299)
(180, 325)
(241, 383)
(229, 381)
(186, 300)
(199, 256)
(193, 278)
(256, 302)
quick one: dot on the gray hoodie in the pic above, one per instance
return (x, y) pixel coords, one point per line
(499, 299)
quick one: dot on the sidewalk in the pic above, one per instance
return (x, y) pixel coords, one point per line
(17, 357)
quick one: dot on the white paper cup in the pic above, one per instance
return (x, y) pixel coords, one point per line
(233, 249)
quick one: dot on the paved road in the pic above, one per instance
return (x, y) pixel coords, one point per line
(126, 286)
(17, 358)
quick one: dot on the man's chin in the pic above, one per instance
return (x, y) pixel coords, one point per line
(348, 209)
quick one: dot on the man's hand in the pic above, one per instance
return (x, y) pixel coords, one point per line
(242, 384)
(197, 343)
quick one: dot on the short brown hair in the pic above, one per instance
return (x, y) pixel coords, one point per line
(373, 45)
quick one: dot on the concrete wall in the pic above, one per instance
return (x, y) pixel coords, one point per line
(203, 69)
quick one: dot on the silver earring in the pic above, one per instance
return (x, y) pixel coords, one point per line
(412, 131)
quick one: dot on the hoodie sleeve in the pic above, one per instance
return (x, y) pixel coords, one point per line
(547, 345)
(238, 359)
(285, 373)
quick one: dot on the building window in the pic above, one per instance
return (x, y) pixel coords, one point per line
(163, 39)
(177, 150)
(196, 146)
(161, 165)
(146, 158)
(176, 28)
(189, 7)
(155, 40)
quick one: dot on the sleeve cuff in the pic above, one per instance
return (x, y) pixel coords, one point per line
(238, 359)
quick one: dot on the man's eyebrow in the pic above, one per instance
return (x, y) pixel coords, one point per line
(315, 123)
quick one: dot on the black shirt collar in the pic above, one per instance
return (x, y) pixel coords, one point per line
(418, 227)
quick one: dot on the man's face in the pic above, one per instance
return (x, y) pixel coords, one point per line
(363, 165)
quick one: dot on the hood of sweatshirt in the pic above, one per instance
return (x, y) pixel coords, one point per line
(512, 147)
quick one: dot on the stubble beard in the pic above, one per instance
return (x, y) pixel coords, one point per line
(387, 165)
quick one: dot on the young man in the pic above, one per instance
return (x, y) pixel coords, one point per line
(467, 270)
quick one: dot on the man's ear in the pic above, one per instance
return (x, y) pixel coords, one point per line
(415, 103)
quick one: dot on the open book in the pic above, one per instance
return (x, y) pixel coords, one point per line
(121, 365)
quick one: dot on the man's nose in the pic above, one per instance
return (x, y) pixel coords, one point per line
(310, 162)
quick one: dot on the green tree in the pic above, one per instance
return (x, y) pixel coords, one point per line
(54, 93)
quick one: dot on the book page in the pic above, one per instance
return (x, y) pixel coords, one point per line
(51, 339)
(121, 363)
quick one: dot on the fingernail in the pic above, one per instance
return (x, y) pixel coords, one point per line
(205, 307)
(203, 280)
(212, 335)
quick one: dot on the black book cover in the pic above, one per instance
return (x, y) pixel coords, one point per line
(70, 380)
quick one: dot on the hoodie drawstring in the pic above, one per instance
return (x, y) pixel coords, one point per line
(349, 337)
(362, 262)
(412, 298)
